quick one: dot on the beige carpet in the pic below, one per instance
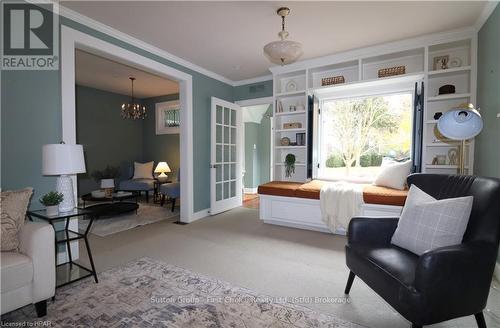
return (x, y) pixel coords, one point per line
(238, 248)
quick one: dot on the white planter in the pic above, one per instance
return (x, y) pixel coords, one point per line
(52, 210)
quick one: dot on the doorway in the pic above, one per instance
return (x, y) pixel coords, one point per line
(71, 40)
(257, 149)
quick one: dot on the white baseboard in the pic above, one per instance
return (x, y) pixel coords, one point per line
(496, 274)
(250, 190)
(200, 215)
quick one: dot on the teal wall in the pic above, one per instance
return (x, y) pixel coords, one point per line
(31, 117)
(254, 90)
(251, 154)
(487, 151)
(164, 147)
(258, 151)
(265, 146)
(106, 138)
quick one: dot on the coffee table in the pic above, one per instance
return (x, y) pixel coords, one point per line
(107, 210)
(117, 197)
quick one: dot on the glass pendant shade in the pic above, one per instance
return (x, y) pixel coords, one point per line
(283, 51)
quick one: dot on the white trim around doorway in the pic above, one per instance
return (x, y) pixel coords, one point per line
(72, 39)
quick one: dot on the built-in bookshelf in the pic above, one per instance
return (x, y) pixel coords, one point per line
(294, 83)
(459, 72)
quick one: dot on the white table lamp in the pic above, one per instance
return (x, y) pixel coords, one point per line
(162, 168)
(63, 160)
(461, 123)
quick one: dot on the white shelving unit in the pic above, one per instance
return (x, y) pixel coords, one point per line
(290, 99)
(464, 80)
(293, 83)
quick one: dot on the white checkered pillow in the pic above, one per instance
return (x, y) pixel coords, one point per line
(427, 223)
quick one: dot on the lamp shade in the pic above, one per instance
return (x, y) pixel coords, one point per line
(61, 159)
(162, 167)
(107, 183)
(460, 123)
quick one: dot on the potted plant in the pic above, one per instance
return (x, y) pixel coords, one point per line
(289, 165)
(106, 179)
(51, 201)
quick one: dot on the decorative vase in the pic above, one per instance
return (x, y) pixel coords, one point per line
(52, 210)
(108, 186)
(108, 193)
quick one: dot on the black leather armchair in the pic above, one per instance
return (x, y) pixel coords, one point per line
(441, 284)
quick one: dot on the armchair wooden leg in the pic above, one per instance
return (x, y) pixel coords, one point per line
(162, 200)
(147, 196)
(480, 320)
(41, 308)
(350, 280)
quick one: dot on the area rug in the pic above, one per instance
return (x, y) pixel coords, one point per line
(146, 214)
(150, 293)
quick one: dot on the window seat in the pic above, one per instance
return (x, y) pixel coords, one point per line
(297, 205)
(371, 194)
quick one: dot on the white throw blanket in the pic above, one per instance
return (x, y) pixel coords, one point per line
(340, 201)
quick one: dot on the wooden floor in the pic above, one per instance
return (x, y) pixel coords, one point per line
(251, 201)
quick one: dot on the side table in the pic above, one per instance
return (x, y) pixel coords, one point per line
(157, 195)
(69, 272)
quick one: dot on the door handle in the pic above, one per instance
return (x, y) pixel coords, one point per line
(214, 166)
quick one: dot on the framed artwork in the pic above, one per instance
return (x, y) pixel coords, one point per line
(167, 117)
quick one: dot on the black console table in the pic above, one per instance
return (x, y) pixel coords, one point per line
(71, 271)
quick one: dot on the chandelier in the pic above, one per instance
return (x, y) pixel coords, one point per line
(132, 109)
(283, 51)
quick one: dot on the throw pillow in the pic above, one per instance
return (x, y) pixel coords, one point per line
(14, 205)
(393, 175)
(143, 170)
(427, 223)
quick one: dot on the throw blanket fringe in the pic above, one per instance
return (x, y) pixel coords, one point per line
(340, 201)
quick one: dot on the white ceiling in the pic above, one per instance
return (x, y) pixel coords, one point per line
(227, 37)
(104, 74)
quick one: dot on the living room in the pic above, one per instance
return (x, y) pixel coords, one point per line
(302, 256)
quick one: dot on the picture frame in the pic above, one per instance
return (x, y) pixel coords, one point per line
(167, 117)
(440, 62)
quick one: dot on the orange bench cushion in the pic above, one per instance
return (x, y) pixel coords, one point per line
(384, 196)
(311, 190)
(279, 188)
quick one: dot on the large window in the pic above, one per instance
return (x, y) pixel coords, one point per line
(357, 134)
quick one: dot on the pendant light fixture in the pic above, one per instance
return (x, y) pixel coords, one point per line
(283, 51)
(132, 109)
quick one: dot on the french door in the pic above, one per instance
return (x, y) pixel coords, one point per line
(225, 174)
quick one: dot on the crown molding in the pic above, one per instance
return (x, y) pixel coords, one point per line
(258, 79)
(103, 28)
(485, 14)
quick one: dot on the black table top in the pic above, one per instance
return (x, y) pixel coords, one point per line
(116, 196)
(112, 209)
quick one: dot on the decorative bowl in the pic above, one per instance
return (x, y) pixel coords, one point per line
(98, 194)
